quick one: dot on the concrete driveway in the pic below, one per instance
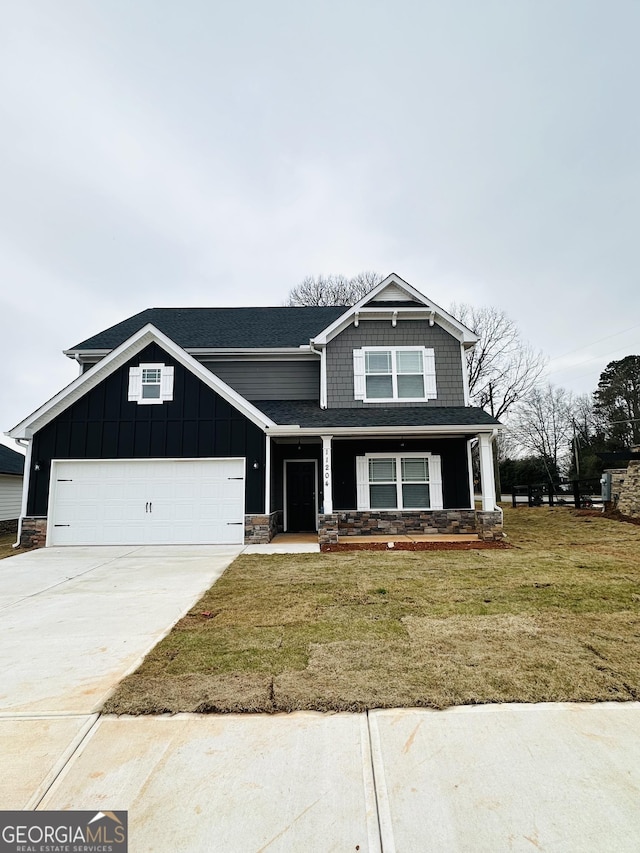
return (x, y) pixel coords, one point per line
(75, 621)
(556, 777)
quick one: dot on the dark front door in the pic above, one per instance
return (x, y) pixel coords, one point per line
(301, 495)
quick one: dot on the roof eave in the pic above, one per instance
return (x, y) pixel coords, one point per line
(433, 429)
(115, 359)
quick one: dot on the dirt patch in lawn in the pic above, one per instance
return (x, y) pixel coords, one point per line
(556, 617)
(413, 546)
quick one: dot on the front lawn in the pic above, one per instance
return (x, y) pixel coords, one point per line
(6, 543)
(555, 618)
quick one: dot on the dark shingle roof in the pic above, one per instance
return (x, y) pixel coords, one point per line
(193, 328)
(307, 413)
(11, 462)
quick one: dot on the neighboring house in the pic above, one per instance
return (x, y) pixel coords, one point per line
(216, 425)
(11, 471)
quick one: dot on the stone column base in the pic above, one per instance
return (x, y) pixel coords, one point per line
(328, 528)
(260, 529)
(489, 525)
(34, 532)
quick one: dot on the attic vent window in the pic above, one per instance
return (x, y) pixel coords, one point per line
(151, 377)
(151, 383)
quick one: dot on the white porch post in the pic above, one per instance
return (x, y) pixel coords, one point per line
(472, 491)
(487, 474)
(267, 475)
(25, 491)
(327, 495)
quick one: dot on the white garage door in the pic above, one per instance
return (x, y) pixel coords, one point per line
(147, 502)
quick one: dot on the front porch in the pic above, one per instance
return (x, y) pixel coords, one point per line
(346, 487)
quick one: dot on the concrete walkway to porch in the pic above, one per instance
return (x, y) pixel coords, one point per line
(288, 543)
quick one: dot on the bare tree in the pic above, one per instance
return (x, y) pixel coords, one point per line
(333, 289)
(543, 424)
(502, 367)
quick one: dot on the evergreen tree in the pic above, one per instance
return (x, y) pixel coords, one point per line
(617, 402)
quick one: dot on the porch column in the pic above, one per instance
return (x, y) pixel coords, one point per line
(487, 474)
(327, 494)
(267, 475)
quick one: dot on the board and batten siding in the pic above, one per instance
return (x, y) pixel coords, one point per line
(10, 497)
(270, 380)
(104, 424)
(377, 333)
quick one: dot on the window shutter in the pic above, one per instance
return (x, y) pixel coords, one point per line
(362, 481)
(166, 384)
(430, 389)
(135, 383)
(435, 482)
(358, 374)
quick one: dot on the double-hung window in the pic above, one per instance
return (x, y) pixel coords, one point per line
(387, 374)
(399, 481)
(151, 383)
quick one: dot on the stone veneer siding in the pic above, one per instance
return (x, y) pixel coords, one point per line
(490, 527)
(10, 526)
(629, 501)
(617, 480)
(260, 529)
(34, 532)
(331, 527)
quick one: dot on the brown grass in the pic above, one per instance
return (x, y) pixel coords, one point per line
(6, 542)
(556, 617)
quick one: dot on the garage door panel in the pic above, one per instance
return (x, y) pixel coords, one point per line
(132, 502)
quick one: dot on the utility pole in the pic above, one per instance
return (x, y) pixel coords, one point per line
(575, 449)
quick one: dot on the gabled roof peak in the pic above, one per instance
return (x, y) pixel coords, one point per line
(392, 296)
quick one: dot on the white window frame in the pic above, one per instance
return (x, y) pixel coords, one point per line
(435, 480)
(428, 374)
(136, 385)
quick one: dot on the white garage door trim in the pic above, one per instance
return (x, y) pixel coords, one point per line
(195, 501)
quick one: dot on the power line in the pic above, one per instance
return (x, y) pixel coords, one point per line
(585, 360)
(591, 343)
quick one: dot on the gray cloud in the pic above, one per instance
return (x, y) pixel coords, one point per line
(159, 154)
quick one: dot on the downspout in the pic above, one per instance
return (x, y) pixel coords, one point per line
(25, 487)
(323, 373)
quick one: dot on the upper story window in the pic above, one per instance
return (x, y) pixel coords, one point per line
(151, 383)
(385, 374)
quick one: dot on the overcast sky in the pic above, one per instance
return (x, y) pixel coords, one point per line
(160, 153)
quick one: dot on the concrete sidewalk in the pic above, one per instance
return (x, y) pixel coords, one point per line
(555, 777)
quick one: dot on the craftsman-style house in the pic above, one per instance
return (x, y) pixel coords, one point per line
(225, 425)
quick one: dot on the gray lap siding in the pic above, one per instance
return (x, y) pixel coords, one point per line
(270, 380)
(449, 380)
